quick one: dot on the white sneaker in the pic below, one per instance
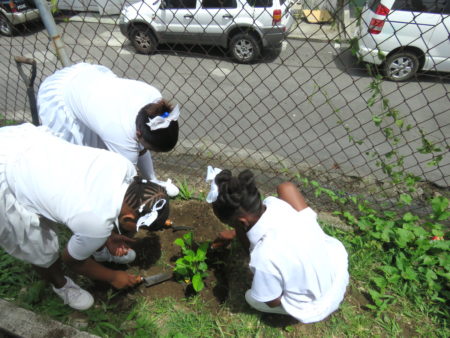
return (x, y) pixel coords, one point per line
(171, 189)
(74, 296)
(105, 256)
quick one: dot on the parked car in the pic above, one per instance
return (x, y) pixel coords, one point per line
(244, 27)
(103, 7)
(15, 12)
(406, 36)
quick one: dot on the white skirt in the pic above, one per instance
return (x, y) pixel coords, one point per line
(57, 115)
(22, 234)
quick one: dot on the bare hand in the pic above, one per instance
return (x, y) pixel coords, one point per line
(118, 244)
(224, 239)
(122, 279)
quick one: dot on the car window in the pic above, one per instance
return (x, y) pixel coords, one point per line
(260, 3)
(428, 6)
(219, 4)
(179, 4)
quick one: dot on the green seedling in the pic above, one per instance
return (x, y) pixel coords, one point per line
(191, 267)
(185, 191)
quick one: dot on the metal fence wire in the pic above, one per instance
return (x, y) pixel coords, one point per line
(308, 105)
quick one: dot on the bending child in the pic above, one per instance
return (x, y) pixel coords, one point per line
(298, 269)
(90, 105)
(92, 191)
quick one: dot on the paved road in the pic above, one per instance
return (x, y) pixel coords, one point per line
(289, 105)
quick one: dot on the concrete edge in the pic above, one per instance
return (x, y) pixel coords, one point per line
(20, 322)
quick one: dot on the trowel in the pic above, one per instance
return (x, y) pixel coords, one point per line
(156, 279)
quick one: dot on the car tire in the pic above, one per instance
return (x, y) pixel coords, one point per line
(244, 48)
(401, 66)
(143, 39)
(6, 28)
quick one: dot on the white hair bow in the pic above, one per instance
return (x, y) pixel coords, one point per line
(214, 191)
(163, 121)
(148, 219)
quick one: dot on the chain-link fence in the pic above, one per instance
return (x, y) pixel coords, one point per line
(269, 84)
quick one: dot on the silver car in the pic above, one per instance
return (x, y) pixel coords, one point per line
(244, 27)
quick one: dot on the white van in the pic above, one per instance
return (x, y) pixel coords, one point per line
(405, 36)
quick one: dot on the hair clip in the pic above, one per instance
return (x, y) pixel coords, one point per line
(163, 121)
(149, 218)
(214, 190)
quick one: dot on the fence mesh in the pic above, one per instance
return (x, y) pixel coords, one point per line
(307, 106)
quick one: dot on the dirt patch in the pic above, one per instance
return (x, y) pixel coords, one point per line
(229, 275)
(156, 252)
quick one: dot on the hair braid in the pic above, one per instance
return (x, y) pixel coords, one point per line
(142, 191)
(163, 139)
(237, 195)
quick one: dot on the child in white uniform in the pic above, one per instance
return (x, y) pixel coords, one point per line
(90, 190)
(298, 269)
(89, 105)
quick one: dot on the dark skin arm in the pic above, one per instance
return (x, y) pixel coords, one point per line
(90, 268)
(289, 193)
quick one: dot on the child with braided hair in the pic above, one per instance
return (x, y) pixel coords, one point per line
(89, 105)
(92, 191)
(298, 270)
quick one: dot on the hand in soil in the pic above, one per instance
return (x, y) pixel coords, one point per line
(224, 239)
(118, 244)
(122, 279)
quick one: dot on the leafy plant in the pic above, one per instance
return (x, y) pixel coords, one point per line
(192, 267)
(185, 191)
(416, 255)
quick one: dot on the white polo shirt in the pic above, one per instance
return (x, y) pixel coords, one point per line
(292, 257)
(78, 186)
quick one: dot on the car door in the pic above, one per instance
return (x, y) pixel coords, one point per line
(173, 20)
(439, 44)
(214, 19)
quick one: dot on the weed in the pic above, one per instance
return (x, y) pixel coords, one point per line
(185, 191)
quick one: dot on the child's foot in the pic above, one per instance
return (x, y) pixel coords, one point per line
(105, 256)
(74, 296)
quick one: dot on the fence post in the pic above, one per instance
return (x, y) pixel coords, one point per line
(49, 22)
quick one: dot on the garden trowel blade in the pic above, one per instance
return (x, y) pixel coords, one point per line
(155, 279)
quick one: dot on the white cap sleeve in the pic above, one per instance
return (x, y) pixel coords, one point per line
(81, 247)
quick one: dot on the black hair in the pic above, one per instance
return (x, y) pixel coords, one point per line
(161, 140)
(237, 195)
(142, 191)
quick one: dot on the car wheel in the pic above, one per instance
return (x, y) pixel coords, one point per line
(6, 28)
(143, 39)
(401, 66)
(244, 48)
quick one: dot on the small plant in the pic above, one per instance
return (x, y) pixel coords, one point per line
(185, 192)
(191, 268)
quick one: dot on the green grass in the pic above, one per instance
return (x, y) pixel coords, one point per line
(191, 317)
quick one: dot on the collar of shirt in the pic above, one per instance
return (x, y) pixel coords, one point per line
(260, 229)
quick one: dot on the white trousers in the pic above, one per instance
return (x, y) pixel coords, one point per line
(263, 307)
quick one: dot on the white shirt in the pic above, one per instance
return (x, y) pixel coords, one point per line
(292, 257)
(108, 105)
(81, 187)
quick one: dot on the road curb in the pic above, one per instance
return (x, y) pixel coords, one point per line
(19, 322)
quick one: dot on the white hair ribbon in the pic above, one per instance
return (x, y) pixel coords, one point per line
(163, 121)
(148, 219)
(214, 191)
